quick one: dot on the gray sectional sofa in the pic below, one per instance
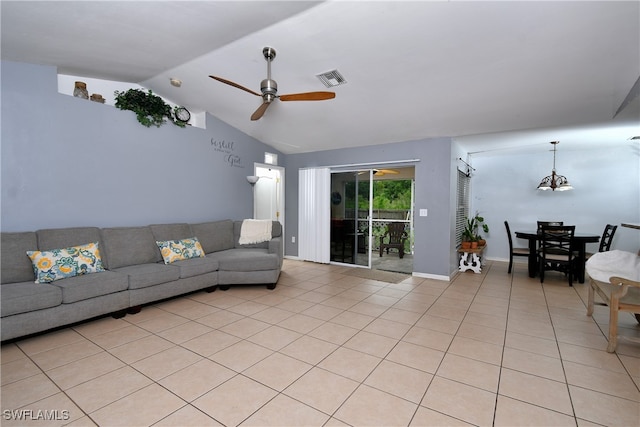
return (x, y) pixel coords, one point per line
(134, 271)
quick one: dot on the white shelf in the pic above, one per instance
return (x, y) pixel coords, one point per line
(106, 88)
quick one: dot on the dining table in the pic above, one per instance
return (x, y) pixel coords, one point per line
(580, 241)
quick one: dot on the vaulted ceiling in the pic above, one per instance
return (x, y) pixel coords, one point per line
(413, 70)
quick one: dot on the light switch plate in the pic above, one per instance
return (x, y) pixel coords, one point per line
(423, 212)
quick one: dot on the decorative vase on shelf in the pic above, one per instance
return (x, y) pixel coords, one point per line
(80, 90)
(96, 97)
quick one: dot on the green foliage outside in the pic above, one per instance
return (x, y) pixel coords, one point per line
(387, 194)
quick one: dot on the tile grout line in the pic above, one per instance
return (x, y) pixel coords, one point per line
(485, 284)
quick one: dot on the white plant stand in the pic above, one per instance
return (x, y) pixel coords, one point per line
(471, 259)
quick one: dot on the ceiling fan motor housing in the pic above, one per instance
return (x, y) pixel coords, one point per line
(269, 88)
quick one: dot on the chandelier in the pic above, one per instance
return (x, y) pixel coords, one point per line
(554, 181)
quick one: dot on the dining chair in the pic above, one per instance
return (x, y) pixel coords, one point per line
(514, 251)
(543, 223)
(605, 240)
(557, 250)
(396, 238)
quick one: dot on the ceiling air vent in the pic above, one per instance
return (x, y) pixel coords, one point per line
(332, 78)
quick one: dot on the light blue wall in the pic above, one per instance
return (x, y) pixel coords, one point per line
(72, 162)
(606, 181)
(433, 245)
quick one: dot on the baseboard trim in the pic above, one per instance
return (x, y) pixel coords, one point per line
(431, 276)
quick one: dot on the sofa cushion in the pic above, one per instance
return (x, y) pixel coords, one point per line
(16, 265)
(62, 263)
(28, 296)
(178, 250)
(66, 237)
(246, 259)
(196, 266)
(145, 275)
(175, 231)
(126, 246)
(214, 236)
(87, 286)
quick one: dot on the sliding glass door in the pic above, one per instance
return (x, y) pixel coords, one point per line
(351, 196)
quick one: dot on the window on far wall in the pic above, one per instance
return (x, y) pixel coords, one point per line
(462, 204)
(270, 158)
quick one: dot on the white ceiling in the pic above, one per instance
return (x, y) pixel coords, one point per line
(414, 70)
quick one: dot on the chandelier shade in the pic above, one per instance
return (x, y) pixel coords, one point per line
(554, 181)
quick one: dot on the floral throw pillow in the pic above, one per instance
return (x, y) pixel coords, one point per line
(176, 250)
(59, 264)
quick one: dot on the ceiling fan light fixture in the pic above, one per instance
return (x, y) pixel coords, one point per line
(332, 78)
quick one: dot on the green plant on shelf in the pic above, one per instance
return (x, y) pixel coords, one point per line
(150, 109)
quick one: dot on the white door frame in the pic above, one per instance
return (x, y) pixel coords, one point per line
(259, 170)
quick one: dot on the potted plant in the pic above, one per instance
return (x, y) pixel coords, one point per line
(150, 109)
(467, 235)
(471, 234)
(485, 228)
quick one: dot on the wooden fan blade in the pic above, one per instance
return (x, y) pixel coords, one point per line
(308, 96)
(236, 85)
(391, 171)
(260, 111)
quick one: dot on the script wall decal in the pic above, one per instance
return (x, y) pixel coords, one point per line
(227, 151)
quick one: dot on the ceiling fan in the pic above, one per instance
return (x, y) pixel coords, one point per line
(269, 88)
(381, 172)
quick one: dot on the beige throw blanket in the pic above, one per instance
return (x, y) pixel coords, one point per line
(255, 231)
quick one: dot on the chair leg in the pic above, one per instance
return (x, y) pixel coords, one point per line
(510, 264)
(613, 324)
(570, 276)
(590, 301)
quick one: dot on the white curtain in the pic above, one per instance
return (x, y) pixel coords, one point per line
(314, 214)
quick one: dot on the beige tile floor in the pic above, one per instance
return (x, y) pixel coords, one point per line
(326, 349)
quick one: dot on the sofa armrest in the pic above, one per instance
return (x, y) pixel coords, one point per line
(275, 247)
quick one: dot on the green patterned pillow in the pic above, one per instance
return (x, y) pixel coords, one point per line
(176, 250)
(59, 264)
